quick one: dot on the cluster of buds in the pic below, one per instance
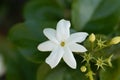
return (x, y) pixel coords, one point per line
(99, 61)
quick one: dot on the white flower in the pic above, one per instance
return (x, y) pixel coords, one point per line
(2, 66)
(62, 44)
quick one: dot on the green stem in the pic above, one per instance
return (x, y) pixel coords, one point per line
(90, 73)
(96, 50)
(92, 45)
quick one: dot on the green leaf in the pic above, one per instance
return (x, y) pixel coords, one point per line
(42, 14)
(98, 16)
(20, 69)
(106, 8)
(102, 26)
(42, 72)
(42, 11)
(61, 72)
(17, 67)
(28, 35)
(111, 73)
(82, 10)
(27, 43)
(36, 28)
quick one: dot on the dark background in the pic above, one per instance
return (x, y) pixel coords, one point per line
(12, 13)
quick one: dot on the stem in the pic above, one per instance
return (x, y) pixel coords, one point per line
(90, 73)
(100, 48)
(92, 45)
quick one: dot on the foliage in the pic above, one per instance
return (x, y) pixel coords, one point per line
(25, 62)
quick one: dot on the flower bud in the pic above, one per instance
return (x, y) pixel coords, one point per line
(92, 38)
(115, 40)
(83, 69)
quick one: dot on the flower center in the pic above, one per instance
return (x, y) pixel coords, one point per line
(62, 43)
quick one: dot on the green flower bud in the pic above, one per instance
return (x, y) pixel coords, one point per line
(83, 69)
(92, 38)
(115, 40)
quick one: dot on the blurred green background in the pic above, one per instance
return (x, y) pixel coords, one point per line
(21, 26)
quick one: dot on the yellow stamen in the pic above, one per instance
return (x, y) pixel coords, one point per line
(62, 44)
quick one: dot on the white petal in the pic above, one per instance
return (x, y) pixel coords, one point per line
(54, 58)
(77, 37)
(46, 46)
(50, 34)
(69, 58)
(2, 66)
(77, 48)
(63, 29)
